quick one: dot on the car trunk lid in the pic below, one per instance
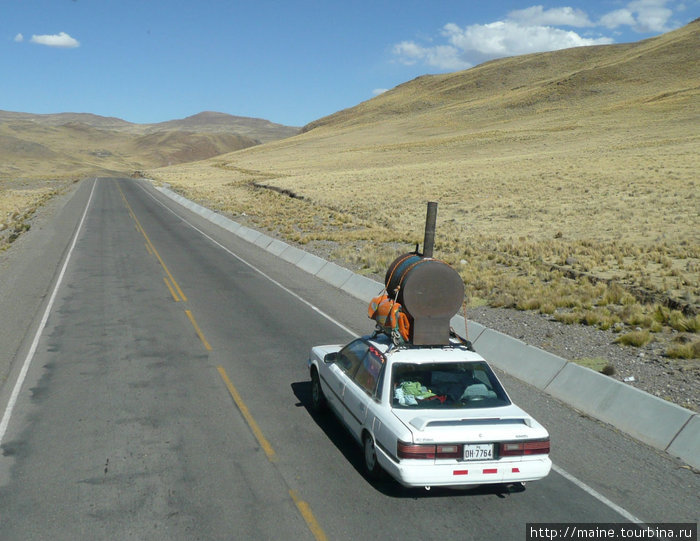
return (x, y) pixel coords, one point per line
(489, 424)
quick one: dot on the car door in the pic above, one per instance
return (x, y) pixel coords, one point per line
(343, 369)
(362, 395)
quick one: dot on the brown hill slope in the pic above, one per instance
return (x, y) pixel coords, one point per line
(663, 68)
(581, 162)
(74, 149)
(40, 154)
(212, 122)
(80, 144)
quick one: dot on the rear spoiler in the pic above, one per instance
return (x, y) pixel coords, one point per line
(421, 423)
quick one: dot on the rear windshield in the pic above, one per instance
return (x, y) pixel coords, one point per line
(446, 386)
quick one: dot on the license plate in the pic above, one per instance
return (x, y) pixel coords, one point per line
(478, 451)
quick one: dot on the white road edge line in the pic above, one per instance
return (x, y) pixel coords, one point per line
(35, 343)
(597, 495)
(253, 267)
(583, 486)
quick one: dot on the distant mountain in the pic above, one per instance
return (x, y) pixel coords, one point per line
(59, 119)
(75, 144)
(212, 122)
(205, 122)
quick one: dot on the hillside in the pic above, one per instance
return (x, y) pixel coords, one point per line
(79, 144)
(212, 122)
(40, 155)
(597, 79)
(549, 169)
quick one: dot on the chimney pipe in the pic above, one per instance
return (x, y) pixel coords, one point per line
(430, 221)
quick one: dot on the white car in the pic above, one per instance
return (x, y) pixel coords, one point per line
(428, 416)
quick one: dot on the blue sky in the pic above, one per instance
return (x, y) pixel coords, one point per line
(289, 62)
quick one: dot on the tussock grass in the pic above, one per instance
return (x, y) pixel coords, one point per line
(635, 338)
(686, 350)
(19, 200)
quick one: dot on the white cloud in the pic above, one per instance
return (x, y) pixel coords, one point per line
(378, 91)
(508, 38)
(61, 39)
(652, 15)
(445, 57)
(480, 42)
(643, 16)
(529, 30)
(19, 38)
(619, 17)
(537, 16)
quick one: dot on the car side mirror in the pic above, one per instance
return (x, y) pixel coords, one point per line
(331, 357)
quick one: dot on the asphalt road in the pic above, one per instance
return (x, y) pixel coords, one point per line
(168, 396)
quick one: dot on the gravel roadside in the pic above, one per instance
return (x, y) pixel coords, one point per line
(645, 368)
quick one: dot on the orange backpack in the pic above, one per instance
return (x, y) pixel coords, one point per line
(390, 317)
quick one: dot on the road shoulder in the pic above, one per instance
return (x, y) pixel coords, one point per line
(28, 269)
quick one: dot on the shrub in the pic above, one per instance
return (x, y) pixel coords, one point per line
(614, 294)
(547, 308)
(684, 351)
(529, 304)
(679, 322)
(568, 318)
(634, 338)
(608, 370)
(661, 314)
(640, 319)
(693, 324)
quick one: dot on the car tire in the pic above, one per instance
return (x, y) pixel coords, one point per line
(372, 467)
(318, 400)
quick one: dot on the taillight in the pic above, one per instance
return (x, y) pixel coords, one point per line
(522, 448)
(413, 450)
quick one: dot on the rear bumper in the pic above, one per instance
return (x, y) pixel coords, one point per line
(420, 473)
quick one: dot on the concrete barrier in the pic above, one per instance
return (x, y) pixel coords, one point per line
(525, 362)
(472, 332)
(263, 241)
(686, 445)
(645, 417)
(362, 287)
(641, 415)
(246, 233)
(276, 247)
(334, 274)
(311, 263)
(292, 255)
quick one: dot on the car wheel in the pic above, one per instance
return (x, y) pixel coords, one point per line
(372, 467)
(318, 401)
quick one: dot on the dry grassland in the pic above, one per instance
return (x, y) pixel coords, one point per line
(573, 193)
(19, 200)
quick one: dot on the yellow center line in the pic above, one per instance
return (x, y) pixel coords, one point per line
(153, 248)
(309, 517)
(198, 330)
(302, 506)
(172, 291)
(269, 451)
(176, 292)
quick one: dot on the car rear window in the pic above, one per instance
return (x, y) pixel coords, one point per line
(446, 385)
